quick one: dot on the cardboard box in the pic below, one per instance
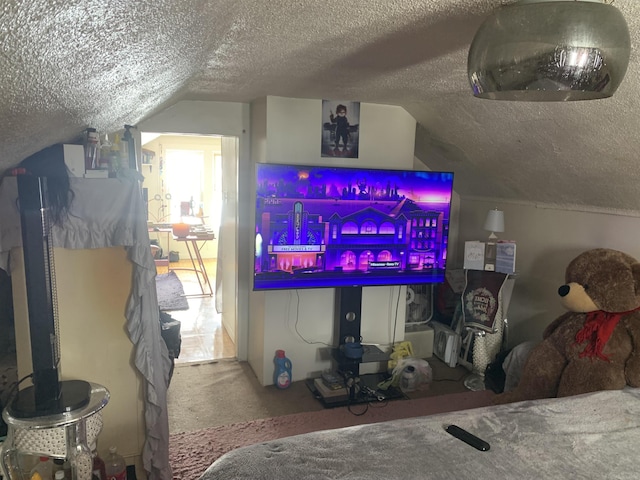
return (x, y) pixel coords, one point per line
(421, 338)
(506, 257)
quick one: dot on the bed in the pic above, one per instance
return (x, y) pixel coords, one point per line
(595, 435)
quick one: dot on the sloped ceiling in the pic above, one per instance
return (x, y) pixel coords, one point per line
(67, 65)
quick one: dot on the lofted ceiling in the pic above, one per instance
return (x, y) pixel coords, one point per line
(70, 64)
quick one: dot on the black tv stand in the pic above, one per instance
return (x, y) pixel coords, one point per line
(355, 388)
(364, 391)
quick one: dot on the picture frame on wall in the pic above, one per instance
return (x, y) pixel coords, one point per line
(340, 128)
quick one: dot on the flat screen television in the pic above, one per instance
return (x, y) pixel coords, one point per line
(349, 227)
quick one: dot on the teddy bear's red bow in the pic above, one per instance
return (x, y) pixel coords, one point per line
(597, 329)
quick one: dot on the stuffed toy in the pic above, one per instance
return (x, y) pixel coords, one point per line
(596, 344)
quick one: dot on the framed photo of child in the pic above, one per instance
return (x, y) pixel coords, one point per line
(340, 128)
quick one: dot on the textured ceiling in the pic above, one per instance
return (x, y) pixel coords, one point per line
(67, 65)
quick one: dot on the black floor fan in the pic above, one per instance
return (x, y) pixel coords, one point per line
(48, 395)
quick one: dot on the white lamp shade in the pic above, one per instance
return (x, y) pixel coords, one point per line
(494, 221)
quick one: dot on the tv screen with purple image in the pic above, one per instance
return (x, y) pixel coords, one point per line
(341, 227)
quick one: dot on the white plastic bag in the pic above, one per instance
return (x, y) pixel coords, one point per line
(411, 374)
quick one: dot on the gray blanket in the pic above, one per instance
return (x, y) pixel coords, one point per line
(595, 435)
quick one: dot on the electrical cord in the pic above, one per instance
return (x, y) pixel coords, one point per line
(295, 325)
(381, 404)
(357, 414)
(351, 382)
(395, 322)
(14, 386)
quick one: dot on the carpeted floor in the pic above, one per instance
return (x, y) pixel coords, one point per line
(170, 292)
(227, 391)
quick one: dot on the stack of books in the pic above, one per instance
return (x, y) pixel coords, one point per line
(328, 394)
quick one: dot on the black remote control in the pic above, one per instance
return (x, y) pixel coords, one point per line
(467, 437)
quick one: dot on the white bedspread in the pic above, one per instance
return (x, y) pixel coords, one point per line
(589, 436)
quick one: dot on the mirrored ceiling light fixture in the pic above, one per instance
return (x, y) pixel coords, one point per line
(549, 51)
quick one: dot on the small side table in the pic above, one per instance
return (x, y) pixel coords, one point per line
(197, 263)
(65, 435)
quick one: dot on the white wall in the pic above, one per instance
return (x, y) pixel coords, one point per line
(228, 261)
(548, 238)
(292, 134)
(92, 291)
(204, 118)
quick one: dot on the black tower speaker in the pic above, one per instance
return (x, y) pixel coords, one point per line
(348, 307)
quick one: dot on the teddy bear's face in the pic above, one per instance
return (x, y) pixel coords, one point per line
(601, 279)
(575, 298)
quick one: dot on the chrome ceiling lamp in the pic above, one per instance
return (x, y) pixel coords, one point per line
(549, 51)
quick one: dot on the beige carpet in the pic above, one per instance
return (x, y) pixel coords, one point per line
(227, 391)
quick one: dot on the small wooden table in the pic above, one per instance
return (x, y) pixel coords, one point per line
(198, 266)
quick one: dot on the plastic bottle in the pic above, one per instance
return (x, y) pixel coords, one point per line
(128, 149)
(67, 469)
(124, 152)
(42, 469)
(99, 470)
(60, 465)
(282, 373)
(91, 149)
(105, 150)
(114, 155)
(115, 466)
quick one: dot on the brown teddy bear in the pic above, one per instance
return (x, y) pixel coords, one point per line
(596, 344)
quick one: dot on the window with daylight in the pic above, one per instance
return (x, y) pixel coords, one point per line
(185, 181)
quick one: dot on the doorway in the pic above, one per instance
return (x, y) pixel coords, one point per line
(185, 182)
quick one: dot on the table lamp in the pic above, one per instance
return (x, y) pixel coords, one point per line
(494, 223)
